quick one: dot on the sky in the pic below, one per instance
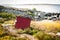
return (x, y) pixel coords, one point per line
(41, 5)
(29, 1)
(53, 8)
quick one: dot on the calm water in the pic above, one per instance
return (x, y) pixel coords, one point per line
(44, 7)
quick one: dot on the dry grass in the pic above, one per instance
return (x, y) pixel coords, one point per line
(47, 25)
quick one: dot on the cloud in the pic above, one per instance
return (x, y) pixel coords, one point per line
(29, 1)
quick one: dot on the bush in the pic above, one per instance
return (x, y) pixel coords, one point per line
(7, 15)
(1, 21)
(30, 31)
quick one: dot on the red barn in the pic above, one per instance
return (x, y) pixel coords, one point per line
(22, 22)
